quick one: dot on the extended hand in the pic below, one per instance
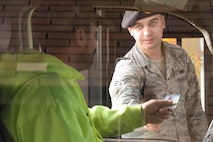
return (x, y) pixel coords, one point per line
(155, 111)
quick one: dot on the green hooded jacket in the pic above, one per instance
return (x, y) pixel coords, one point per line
(41, 101)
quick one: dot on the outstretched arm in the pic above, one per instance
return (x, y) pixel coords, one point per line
(112, 123)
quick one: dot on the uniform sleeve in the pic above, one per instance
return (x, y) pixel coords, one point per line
(126, 84)
(195, 115)
(112, 123)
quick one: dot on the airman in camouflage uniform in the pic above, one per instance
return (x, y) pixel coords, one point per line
(137, 79)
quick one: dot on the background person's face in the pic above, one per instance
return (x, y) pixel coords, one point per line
(69, 34)
(84, 45)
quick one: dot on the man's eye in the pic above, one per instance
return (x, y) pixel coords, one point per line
(138, 26)
(153, 23)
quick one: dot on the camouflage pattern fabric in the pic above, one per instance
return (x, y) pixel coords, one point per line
(187, 122)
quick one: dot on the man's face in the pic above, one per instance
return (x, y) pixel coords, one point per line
(84, 47)
(148, 32)
(86, 37)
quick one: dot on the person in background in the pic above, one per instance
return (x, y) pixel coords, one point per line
(153, 69)
(41, 101)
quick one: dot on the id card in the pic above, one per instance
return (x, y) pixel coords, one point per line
(174, 97)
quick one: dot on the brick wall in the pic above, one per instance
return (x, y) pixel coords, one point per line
(54, 21)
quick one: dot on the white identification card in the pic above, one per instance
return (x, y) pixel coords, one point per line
(174, 97)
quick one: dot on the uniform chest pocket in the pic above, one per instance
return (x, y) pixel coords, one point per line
(181, 80)
(180, 75)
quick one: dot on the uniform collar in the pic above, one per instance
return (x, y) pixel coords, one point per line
(170, 55)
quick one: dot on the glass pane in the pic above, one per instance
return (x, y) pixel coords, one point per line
(86, 35)
(195, 49)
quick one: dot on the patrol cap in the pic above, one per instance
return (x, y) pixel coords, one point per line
(130, 17)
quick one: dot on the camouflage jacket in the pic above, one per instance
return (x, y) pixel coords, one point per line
(136, 79)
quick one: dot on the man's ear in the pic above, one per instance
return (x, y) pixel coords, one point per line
(81, 38)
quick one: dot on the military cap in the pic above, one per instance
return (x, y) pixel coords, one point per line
(130, 17)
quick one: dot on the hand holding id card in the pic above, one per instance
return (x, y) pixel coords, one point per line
(174, 97)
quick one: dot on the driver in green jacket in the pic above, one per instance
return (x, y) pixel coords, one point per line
(41, 101)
